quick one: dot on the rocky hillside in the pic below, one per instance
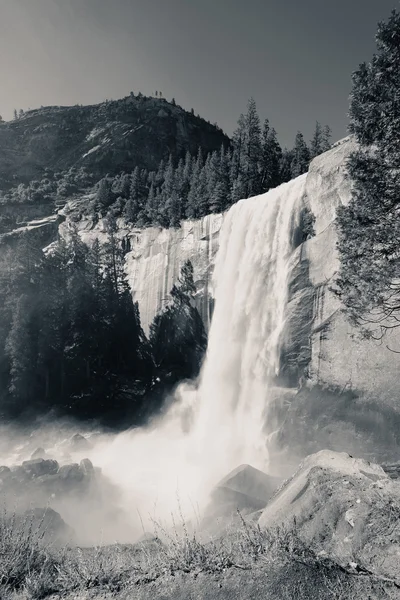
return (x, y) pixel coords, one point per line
(110, 137)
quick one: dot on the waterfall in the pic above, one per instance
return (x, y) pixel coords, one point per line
(210, 430)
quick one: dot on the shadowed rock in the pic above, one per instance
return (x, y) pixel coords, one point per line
(245, 488)
(40, 466)
(5, 473)
(46, 525)
(71, 473)
(86, 467)
(79, 443)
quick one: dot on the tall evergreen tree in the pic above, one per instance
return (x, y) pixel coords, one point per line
(369, 227)
(320, 141)
(271, 159)
(301, 156)
(285, 165)
(192, 208)
(252, 153)
(104, 196)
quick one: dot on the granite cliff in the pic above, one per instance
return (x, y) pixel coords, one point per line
(319, 344)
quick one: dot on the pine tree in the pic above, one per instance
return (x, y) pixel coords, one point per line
(239, 140)
(159, 176)
(104, 196)
(271, 159)
(320, 141)
(149, 214)
(252, 151)
(327, 138)
(192, 208)
(213, 172)
(187, 176)
(20, 347)
(368, 228)
(203, 199)
(285, 165)
(218, 184)
(301, 156)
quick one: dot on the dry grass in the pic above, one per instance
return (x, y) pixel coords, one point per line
(34, 570)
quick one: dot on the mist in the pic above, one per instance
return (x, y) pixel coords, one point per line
(212, 426)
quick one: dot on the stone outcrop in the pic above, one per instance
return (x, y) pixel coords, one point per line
(342, 507)
(244, 488)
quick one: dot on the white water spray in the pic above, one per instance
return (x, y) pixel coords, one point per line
(212, 430)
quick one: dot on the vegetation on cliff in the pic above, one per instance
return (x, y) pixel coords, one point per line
(369, 226)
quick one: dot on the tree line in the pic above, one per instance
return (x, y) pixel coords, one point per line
(71, 338)
(199, 185)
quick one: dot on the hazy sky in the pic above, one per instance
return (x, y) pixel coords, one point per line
(294, 56)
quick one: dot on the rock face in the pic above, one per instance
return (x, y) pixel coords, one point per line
(244, 488)
(319, 345)
(342, 507)
(339, 356)
(157, 255)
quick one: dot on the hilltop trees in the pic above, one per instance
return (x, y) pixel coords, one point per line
(301, 156)
(270, 168)
(369, 226)
(321, 140)
(195, 186)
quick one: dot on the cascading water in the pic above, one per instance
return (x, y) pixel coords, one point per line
(213, 429)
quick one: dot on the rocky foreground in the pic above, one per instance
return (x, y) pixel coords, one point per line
(331, 531)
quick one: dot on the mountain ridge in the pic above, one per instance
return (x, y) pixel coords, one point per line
(105, 138)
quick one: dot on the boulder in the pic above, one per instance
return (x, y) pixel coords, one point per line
(71, 473)
(46, 525)
(19, 475)
(5, 473)
(244, 488)
(39, 453)
(79, 443)
(86, 467)
(40, 466)
(343, 507)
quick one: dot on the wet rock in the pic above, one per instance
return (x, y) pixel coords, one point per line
(71, 473)
(39, 453)
(50, 484)
(5, 473)
(40, 466)
(19, 475)
(86, 467)
(79, 443)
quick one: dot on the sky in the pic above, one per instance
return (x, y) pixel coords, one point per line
(295, 57)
